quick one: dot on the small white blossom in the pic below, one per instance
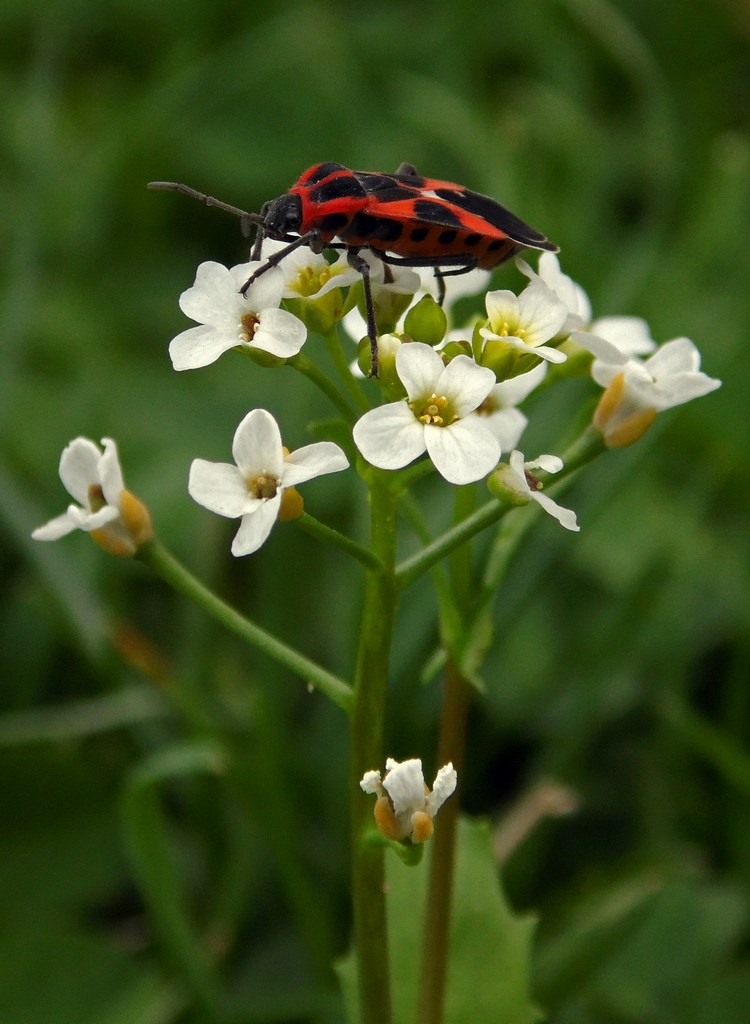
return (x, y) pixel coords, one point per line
(229, 319)
(575, 299)
(438, 416)
(405, 806)
(119, 522)
(309, 275)
(605, 337)
(636, 390)
(515, 479)
(499, 410)
(526, 321)
(252, 490)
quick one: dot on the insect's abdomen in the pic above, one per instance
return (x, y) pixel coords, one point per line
(428, 242)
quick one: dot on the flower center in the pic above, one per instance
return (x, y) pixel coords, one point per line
(535, 484)
(505, 329)
(263, 485)
(250, 322)
(96, 498)
(434, 412)
(310, 280)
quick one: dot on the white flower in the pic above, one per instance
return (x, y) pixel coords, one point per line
(604, 337)
(526, 321)
(515, 482)
(438, 416)
(252, 490)
(575, 299)
(405, 806)
(309, 275)
(499, 407)
(635, 390)
(228, 319)
(118, 521)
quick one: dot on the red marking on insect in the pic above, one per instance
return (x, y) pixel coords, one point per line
(404, 219)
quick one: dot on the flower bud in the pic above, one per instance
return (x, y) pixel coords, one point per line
(426, 322)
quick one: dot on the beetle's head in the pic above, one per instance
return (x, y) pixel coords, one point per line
(282, 217)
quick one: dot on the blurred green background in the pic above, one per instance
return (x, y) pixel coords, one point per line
(620, 665)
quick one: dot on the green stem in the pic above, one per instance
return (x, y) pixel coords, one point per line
(164, 564)
(368, 716)
(436, 929)
(338, 357)
(412, 568)
(313, 373)
(315, 528)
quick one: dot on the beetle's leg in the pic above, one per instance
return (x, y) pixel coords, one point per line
(360, 264)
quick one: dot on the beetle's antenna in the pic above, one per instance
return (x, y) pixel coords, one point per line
(175, 186)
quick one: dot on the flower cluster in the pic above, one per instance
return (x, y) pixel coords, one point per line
(451, 394)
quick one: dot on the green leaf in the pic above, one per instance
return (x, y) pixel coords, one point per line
(490, 946)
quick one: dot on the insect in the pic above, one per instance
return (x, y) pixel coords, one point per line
(404, 219)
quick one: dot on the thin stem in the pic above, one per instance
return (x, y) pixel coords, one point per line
(325, 533)
(338, 357)
(313, 373)
(368, 715)
(412, 568)
(164, 564)
(451, 747)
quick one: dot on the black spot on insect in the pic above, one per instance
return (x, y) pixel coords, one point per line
(343, 187)
(435, 213)
(471, 240)
(363, 225)
(419, 234)
(333, 222)
(496, 244)
(447, 236)
(323, 171)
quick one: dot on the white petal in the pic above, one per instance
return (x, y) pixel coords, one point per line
(443, 786)
(265, 292)
(221, 488)
(549, 463)
(503, 309)
(404, 784)
(518, 467)
(255, 528)
(79, 468)
(565, 516)
(512, 392)
(257, 447)
(311, 461)
(599, 347)
(465, 451)
(677, 356)
(542, 313)
(629, 334)
(55, 528)
(370, 782)
(390, 436)
(85, 520)
(110, 472)
(213, 298)
(419, 367)
(507, 425)
(280, 333)
(465, 384)
(199, 346)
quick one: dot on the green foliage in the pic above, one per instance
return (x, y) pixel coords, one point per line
(619, 660)
(489, 949)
